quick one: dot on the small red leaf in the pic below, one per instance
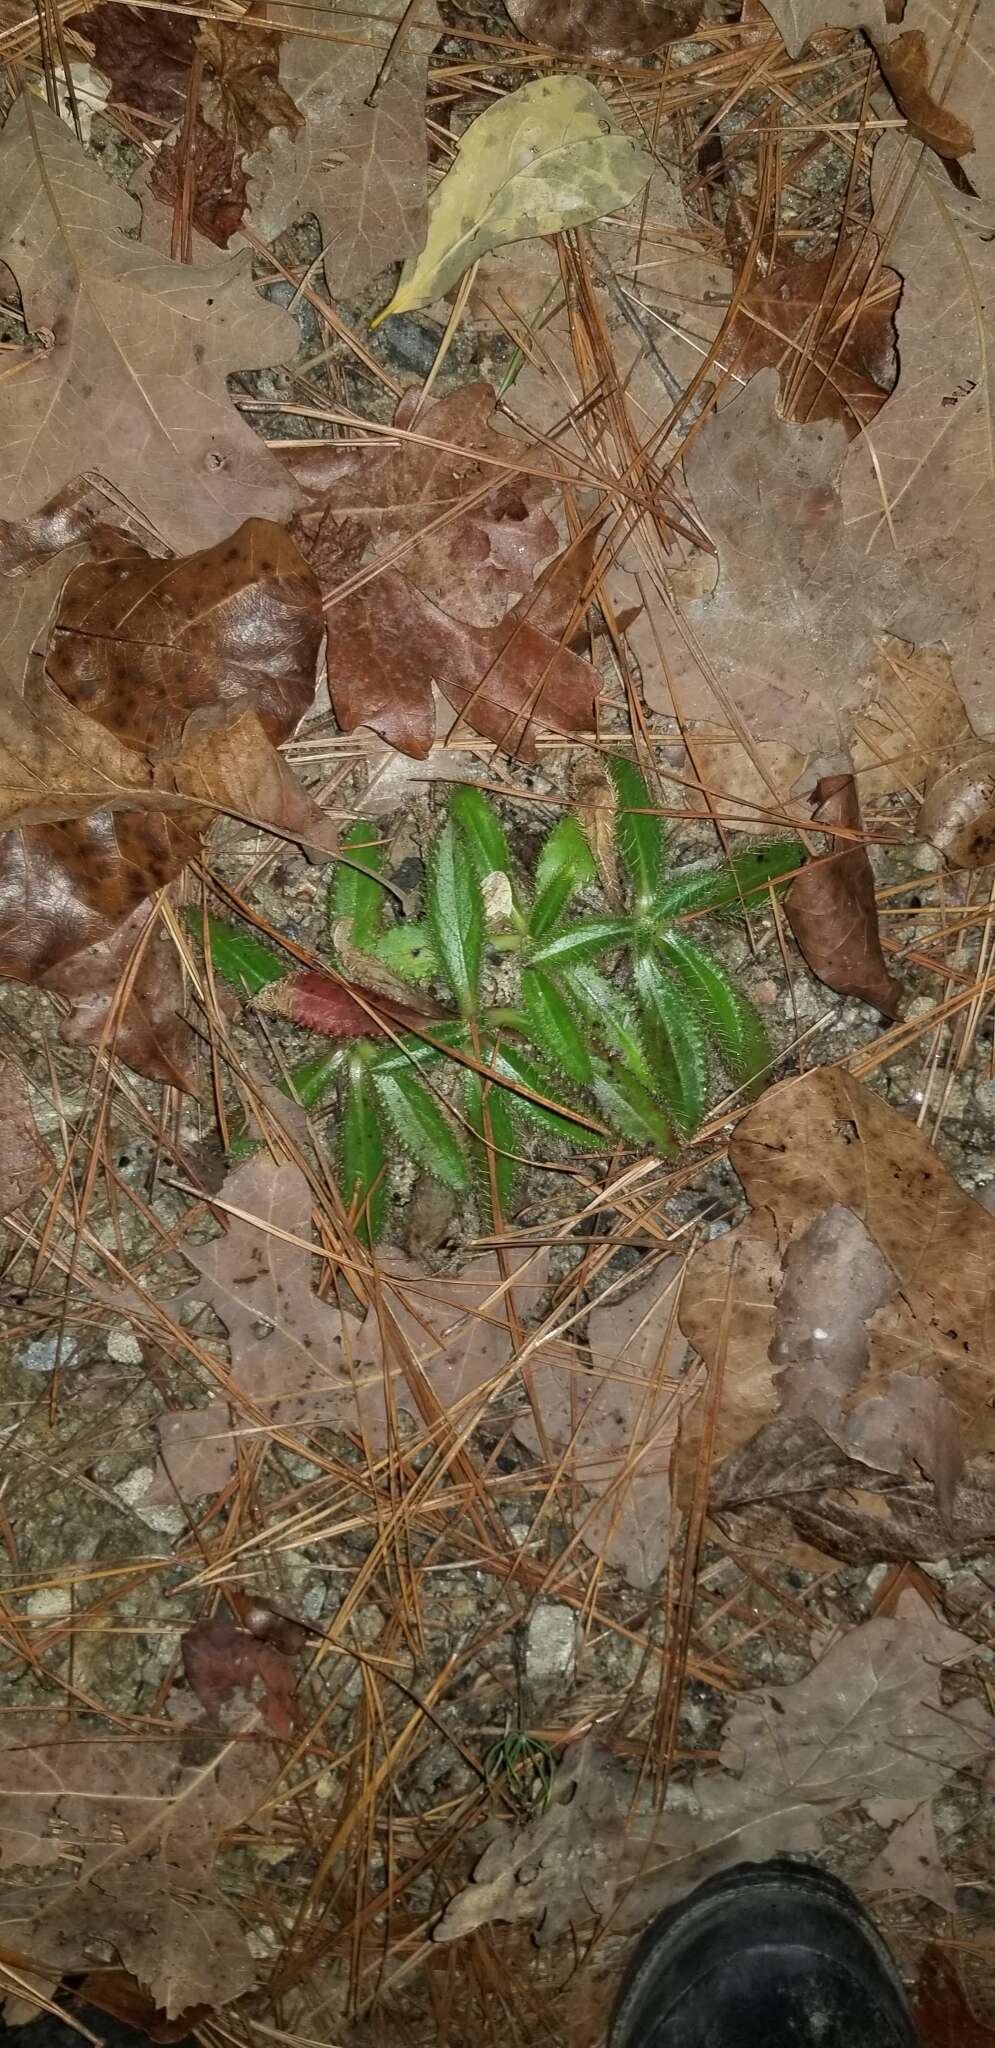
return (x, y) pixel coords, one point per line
(339, 1009)
(220, 1660)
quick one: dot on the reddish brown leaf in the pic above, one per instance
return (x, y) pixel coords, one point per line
(318, 1003)
(908, 64)
(25, 1160)
(942, 2013)
(118, 1993)
(832, 909)
(475, 565)
(242, 80)
(388, 644)
(828, 332)
(80, 512)
(605, 28)
(182, 674)
(222, 1661)
(218, 186)
(271, 1627)
(146, 56)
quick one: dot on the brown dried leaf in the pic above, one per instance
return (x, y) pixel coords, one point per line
(615, 1428)
(485, 556)
(229, 1669)
(118, 1993)
(928, 491)
(361, 168)
(242, 86)
(912, 714)
(797, 20)
(832, 908)
(146, 56)
(908, 64)
(834, 1280)
(219, 188)
(828, 327)
(560, 1871)
(628, 29)
(149, 1033)
(298, 1363)
(26, 1162)
(943, 2014)
(811, 1147)
(791, 628)
(866, 1721)
(132, 384)
(910, 1862)
(388, 645)
(195, 1453)
(138, 1826)
(958, 809)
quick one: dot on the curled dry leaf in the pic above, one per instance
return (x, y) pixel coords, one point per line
(26, 1163)
(797, 20)
(542, 159)
(958, 809)
(922, 1401)
(133, 383)
(359, 158)
(132, 1828)
(230, 1669)
(605, 28)
(832, 907)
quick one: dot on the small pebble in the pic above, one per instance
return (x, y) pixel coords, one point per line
(551, 1645)
(49, 1603)
(124, 1347)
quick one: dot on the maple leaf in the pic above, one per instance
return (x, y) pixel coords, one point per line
(907, 1389)
(298, 1363)
(360, 159)
(141, 1826)
(832, 907)
(130, 379)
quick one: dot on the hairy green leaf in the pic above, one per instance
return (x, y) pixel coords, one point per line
(456, 917)
(565, 851)
(611, 1015)
(728, 1018)
(675, 1042)
(363, 1155)
(638, 834)
(355, 892)
(492, 1110)
(582, 942)
(481, 829)
(535, 1075)
(550, 904)
(236, 956)
(421, 1128)
(726, 885)
(408, 950)
(413, 1052)
(630, 1107)
(553, 1026)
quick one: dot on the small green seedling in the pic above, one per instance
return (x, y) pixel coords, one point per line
(614, 1019)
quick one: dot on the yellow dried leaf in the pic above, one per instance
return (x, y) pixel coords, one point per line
(547, 157)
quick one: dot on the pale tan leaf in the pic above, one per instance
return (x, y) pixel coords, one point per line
(797, 20)
(131, 383)
(362, 169)
(25, 1160)
(546, 157)
(912, 713)
(958, 809)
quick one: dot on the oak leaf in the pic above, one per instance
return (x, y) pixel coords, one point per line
(809, 1150)
(359, 161)
(146, 56)
(607, 28)
(139, 1824)
(827, 324)
(130, 379)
